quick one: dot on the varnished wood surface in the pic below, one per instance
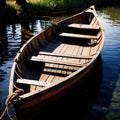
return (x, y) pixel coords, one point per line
(63, 60)
(84, 26)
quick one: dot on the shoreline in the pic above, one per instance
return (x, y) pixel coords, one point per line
(31, 12)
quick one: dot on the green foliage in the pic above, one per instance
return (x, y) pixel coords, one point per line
(51, 4)
(61, 4)
(46, 7)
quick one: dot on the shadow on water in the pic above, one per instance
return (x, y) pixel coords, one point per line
(78, 101)
(3, 48)
(13, 36)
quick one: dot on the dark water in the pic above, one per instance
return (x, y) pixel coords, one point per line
(98, 97)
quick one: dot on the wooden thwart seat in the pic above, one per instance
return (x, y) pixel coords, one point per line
(32, 82)
(83, 26)
(54, 61)
(72, 35)
(65, 55)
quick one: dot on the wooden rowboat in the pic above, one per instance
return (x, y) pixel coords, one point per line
(54, 60)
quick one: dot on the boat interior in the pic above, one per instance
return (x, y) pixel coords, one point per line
(58, 52)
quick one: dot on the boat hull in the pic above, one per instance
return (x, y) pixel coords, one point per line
(51, 63)
(41, 101)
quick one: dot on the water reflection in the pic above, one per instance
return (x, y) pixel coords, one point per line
(3, 48)
(26, 30)
(12, 37)
(111, 66)
(112, 14)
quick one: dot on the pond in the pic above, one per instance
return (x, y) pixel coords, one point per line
(99, 97)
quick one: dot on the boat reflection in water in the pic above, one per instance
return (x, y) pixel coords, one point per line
(78, 100)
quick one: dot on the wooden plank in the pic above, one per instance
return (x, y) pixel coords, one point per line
(62, 50)
(93, 21)
(78, 35)
(54, 61)
(32, 82)
(90, 11)
(84, 26)
(86, 51)
(64, 55)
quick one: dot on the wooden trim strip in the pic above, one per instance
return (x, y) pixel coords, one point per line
(32, 82)
(93, 21)
(54, 61)
(78, 36)
(64, 55)
(84, 26)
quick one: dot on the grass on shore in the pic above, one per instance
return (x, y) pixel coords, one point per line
(38, 8)
(57, 5)
(50, 4)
